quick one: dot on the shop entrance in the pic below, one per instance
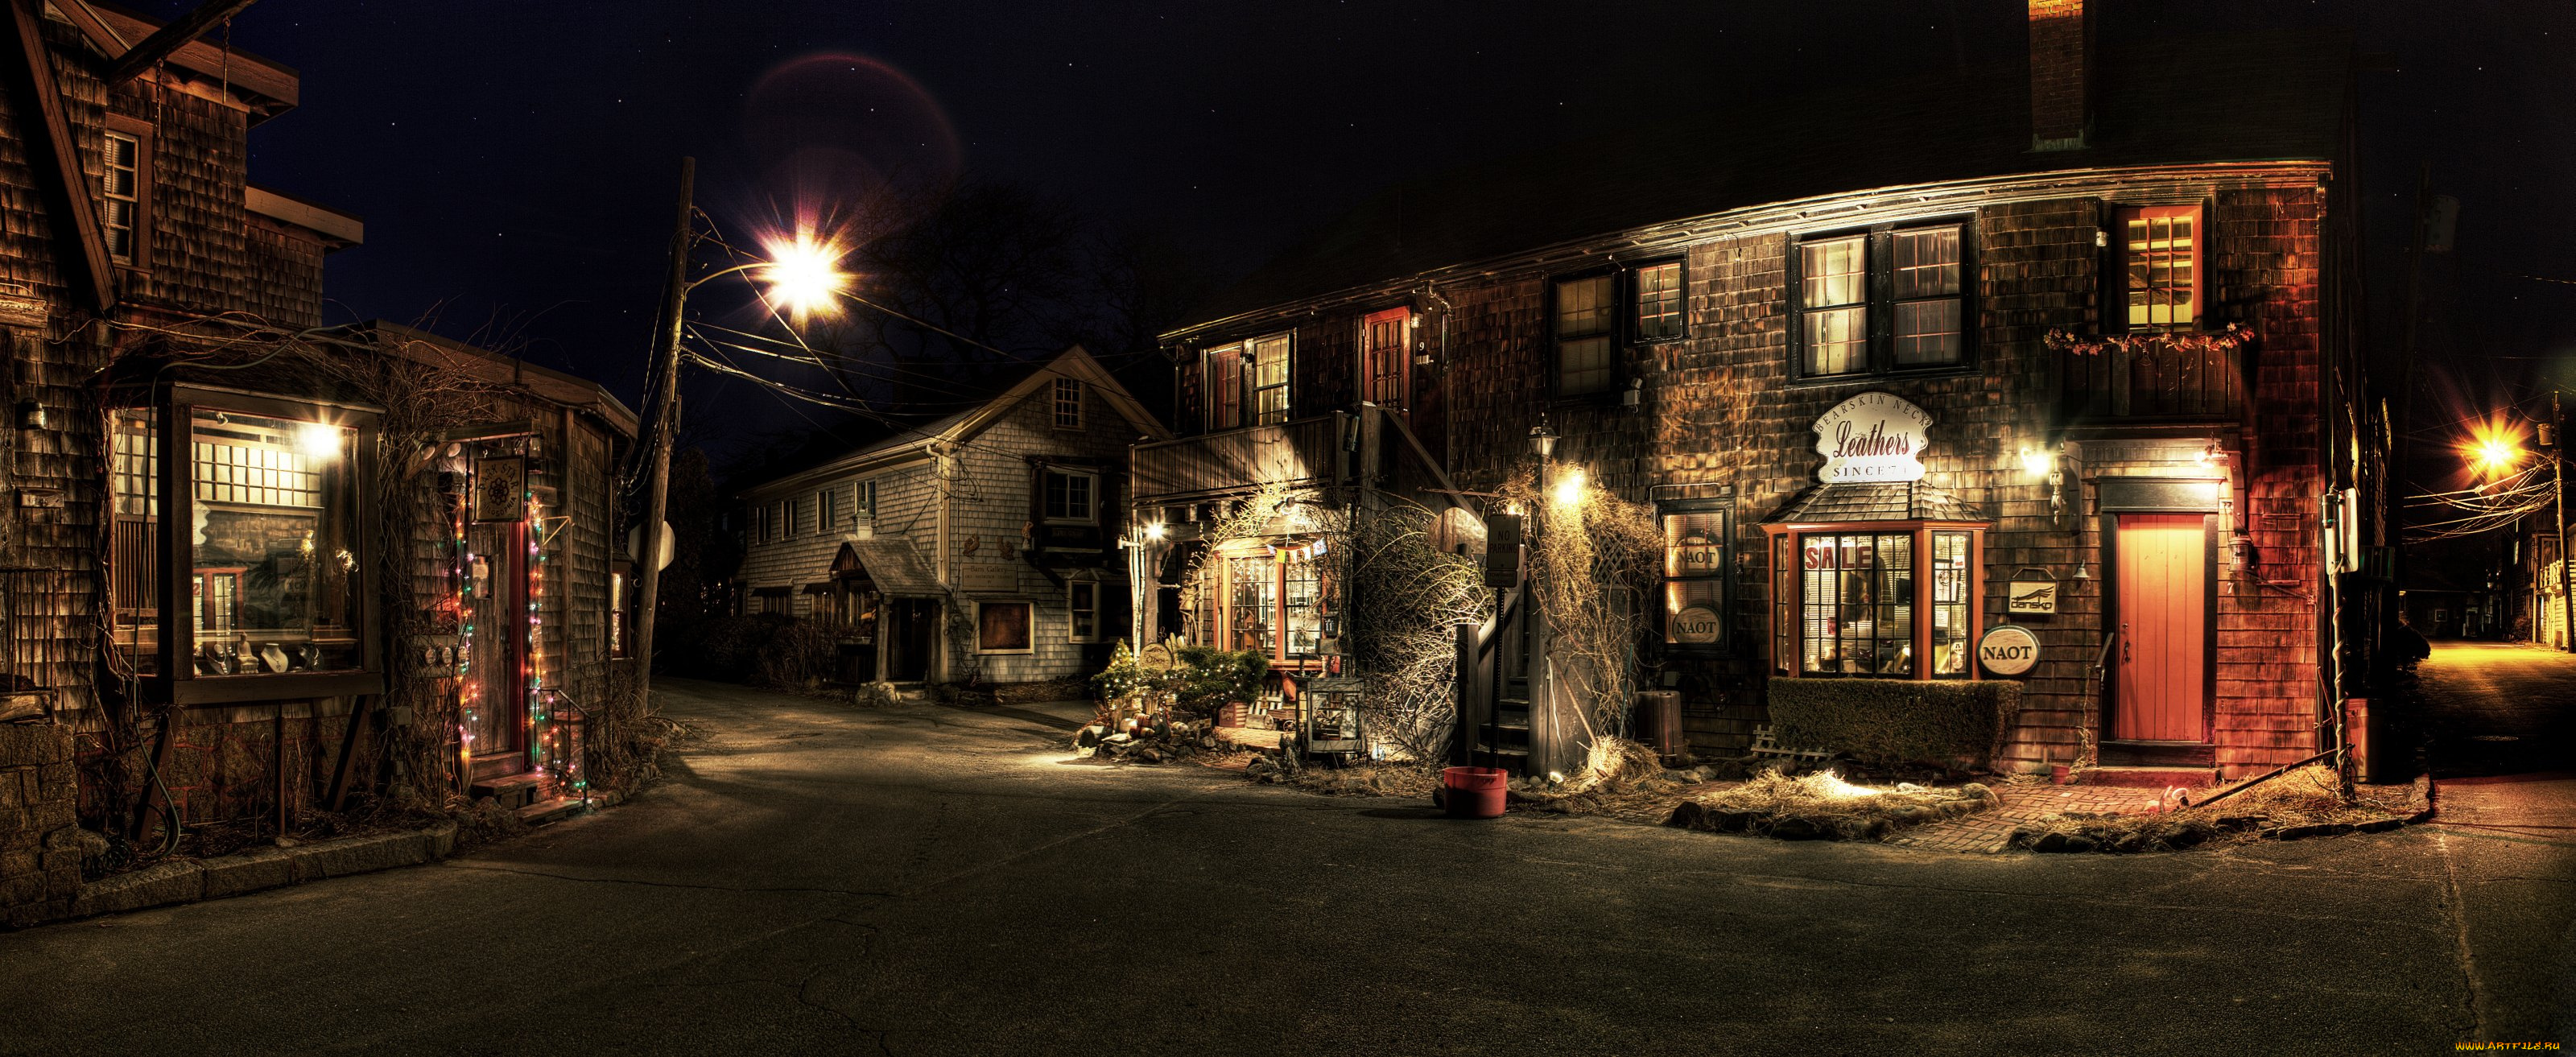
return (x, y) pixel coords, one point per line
(497, 607)
(2162, 683)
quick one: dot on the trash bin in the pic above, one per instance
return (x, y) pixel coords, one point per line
(1659, 722)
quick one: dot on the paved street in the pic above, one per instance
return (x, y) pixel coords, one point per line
(819, 878)
(2501, 716)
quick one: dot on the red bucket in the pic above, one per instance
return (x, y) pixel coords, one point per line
(1473, 792)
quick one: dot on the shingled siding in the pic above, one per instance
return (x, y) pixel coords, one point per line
(984, 489)
(1720, 407)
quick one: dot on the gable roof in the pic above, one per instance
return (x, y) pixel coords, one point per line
(262, 85)
(2239, 98)
(569, 390)
(915, 442)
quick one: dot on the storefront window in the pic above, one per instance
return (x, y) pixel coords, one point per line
(1301, 584)
(274, 585)
(1695, 578)
(1951, 625)
(1253, 605)
(1262, 603)
(1844, 602)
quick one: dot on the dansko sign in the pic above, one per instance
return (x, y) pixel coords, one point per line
(1872, 437)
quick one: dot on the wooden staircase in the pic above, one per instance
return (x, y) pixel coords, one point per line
(1493, 691)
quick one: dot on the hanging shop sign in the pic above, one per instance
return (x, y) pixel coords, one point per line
(2008, 649)
(1871, 438)
(1695, 626)
(501, 488)
(2033, 593)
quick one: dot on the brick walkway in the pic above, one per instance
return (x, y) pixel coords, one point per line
(1989, 832)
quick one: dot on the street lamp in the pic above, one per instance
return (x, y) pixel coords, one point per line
(803, 275)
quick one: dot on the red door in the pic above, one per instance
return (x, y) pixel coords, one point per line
(2164, 624)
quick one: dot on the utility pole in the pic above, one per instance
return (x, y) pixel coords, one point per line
(666, 417)
(2558, 474)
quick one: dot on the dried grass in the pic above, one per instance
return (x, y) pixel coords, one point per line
(2307, 801)
(1622, 777)
(1823, 805)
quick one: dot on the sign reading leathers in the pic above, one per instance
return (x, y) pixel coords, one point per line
(1872, 437)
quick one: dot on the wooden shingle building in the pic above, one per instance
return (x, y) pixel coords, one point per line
(2071, 345)
(982, 548)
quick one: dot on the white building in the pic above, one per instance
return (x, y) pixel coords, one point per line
(982, 547)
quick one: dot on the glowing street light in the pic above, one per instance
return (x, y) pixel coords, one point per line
(1569, 488)
(804, 276)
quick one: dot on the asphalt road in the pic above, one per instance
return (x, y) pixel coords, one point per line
(817, 878)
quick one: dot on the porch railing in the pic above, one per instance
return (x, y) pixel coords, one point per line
(1299, 452)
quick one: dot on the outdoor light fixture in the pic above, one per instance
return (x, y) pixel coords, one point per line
(1569, 488)
(1542, 440)
(2037, 462)
(318, 441)
(804, 276)
(1155, 531)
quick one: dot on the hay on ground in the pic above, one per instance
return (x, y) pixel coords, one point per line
(2305, 802)
(1822, 805)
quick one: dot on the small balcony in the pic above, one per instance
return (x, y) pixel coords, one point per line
(1296, 453)
(2184, 380)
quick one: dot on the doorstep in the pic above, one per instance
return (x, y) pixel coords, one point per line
(189, 881)
(2148, 777)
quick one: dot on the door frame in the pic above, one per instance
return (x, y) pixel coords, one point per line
(510, 579)
(2155, 495)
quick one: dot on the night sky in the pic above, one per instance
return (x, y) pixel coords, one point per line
(515, 162)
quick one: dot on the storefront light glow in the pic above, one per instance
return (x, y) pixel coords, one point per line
(2037, 462)
(318, 441)
(1569, 488)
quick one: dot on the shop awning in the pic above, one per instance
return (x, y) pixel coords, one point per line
(891, 564)
(1888, 501)
(818, 589)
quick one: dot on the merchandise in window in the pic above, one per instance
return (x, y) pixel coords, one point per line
(1856, 601)
(1253, 605)
(274, 583)
(1585, 357)
(1952, 646)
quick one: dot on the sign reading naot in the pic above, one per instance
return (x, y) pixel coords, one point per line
(1695, 625)
(1872, 437)
(2008, 649)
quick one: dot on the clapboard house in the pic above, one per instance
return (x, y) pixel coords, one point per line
(982, 548)
(254, 568)
(2079, 330)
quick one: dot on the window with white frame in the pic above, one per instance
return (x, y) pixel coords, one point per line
(1882, 300)
(1071, 496)
(863, 501)
(826, 517)
(1270, 379)
(1082, 608)
(1657, 299)
(1585, 316)
(2161, 256)
(1068, 403)
(787, 514)
(122, 179)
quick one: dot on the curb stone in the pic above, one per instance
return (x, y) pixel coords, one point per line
(164, 884)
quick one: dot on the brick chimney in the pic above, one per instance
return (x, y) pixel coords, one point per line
(2061, 59)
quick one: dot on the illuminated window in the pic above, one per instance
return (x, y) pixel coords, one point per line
(1270, 379)
(1002, 627)
(1658, 302)
(1695, 549)
(1262, 603)
(1882, 300)
(121, 174)
(1846, 602)
(2161, 247)
(1584, 353)
(1068, 403)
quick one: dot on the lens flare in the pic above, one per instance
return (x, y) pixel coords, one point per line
(804, 276)
(2494, 449)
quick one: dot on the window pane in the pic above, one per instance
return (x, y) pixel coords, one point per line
(1254, 606)
(1858, 605)
(1302, 582)
(1583, 307)
(1833, 272)
(2160, 270)
(1583, 366)
(1694, 577)
(1837, 341)
(1927, 262)
(275, 557)
(1927, 332)
(1951, 645)
(135, 485)
(1270, 379)
(1002, 626)
(1659, 302)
